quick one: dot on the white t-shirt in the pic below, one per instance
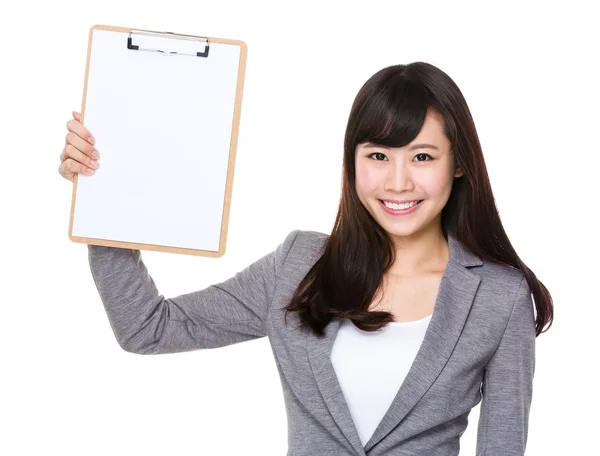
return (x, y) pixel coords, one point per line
(371, 367)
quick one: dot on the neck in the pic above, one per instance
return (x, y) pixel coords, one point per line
(422, 253)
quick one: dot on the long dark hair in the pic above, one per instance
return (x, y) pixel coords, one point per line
(390, 110)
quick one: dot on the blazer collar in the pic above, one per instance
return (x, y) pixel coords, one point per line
(455, 297)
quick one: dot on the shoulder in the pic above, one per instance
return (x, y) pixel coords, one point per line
(304, 246)
(297, 254)
(500, 277)
(502, 286)
(302, 239)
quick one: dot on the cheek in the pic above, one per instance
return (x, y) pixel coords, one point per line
(365, 178)
(435, 184)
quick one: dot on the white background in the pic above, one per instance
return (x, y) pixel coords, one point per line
(529, 72)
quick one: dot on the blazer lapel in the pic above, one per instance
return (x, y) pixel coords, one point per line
(455, 297)
(319, 351)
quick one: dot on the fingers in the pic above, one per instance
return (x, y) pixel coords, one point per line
(69, 167)
(79, 154)
(77, 146)
(75, 153)
(76, 127)
(81, 145)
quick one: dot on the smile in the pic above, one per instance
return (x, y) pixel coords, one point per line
(389, 210)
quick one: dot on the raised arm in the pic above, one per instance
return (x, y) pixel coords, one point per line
(226, 313)
(508, 384)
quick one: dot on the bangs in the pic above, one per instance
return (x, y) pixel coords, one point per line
(393, 115)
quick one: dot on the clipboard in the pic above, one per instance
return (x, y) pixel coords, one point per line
(164, 109)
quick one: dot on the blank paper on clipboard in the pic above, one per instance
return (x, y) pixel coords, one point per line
(164, 110)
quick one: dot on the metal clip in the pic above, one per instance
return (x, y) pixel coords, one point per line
(186, 43)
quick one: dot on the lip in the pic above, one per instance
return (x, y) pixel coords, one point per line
(402, 212)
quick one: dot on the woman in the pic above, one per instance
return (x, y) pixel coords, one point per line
(388, 331)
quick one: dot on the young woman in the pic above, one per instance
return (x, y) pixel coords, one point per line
(388, 331)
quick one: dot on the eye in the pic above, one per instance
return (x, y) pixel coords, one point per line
(376, 153)
(424, 155)
(418, 155)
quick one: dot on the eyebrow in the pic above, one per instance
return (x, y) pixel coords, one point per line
(370, 145)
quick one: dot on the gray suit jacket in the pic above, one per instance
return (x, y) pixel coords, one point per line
(479, 346)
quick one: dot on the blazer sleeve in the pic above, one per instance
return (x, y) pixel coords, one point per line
(225, 313)
(508, 384)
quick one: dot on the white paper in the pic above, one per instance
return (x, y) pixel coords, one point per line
(163, 127)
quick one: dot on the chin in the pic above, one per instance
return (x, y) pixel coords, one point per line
(398, 232)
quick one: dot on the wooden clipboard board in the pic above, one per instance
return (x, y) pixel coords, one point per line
(134, 80)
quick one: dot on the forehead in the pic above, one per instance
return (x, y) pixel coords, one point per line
(432, 127)
(431, 133)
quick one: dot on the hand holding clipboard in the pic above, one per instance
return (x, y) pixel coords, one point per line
(79, 154)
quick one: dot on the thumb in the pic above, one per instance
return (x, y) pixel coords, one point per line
(76, 115)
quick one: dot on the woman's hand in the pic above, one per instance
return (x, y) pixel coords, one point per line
(79, 154)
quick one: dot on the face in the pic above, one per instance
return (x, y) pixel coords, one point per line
(422, 170)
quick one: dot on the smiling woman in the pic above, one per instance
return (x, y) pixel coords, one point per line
(417, 302)
(410, 137)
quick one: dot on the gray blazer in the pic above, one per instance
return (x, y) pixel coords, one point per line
(479, 346)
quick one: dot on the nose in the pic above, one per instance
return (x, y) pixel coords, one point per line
(398, 177)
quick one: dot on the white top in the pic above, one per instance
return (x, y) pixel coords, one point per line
(371, 366)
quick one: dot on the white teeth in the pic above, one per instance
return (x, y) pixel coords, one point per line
(400, 206)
